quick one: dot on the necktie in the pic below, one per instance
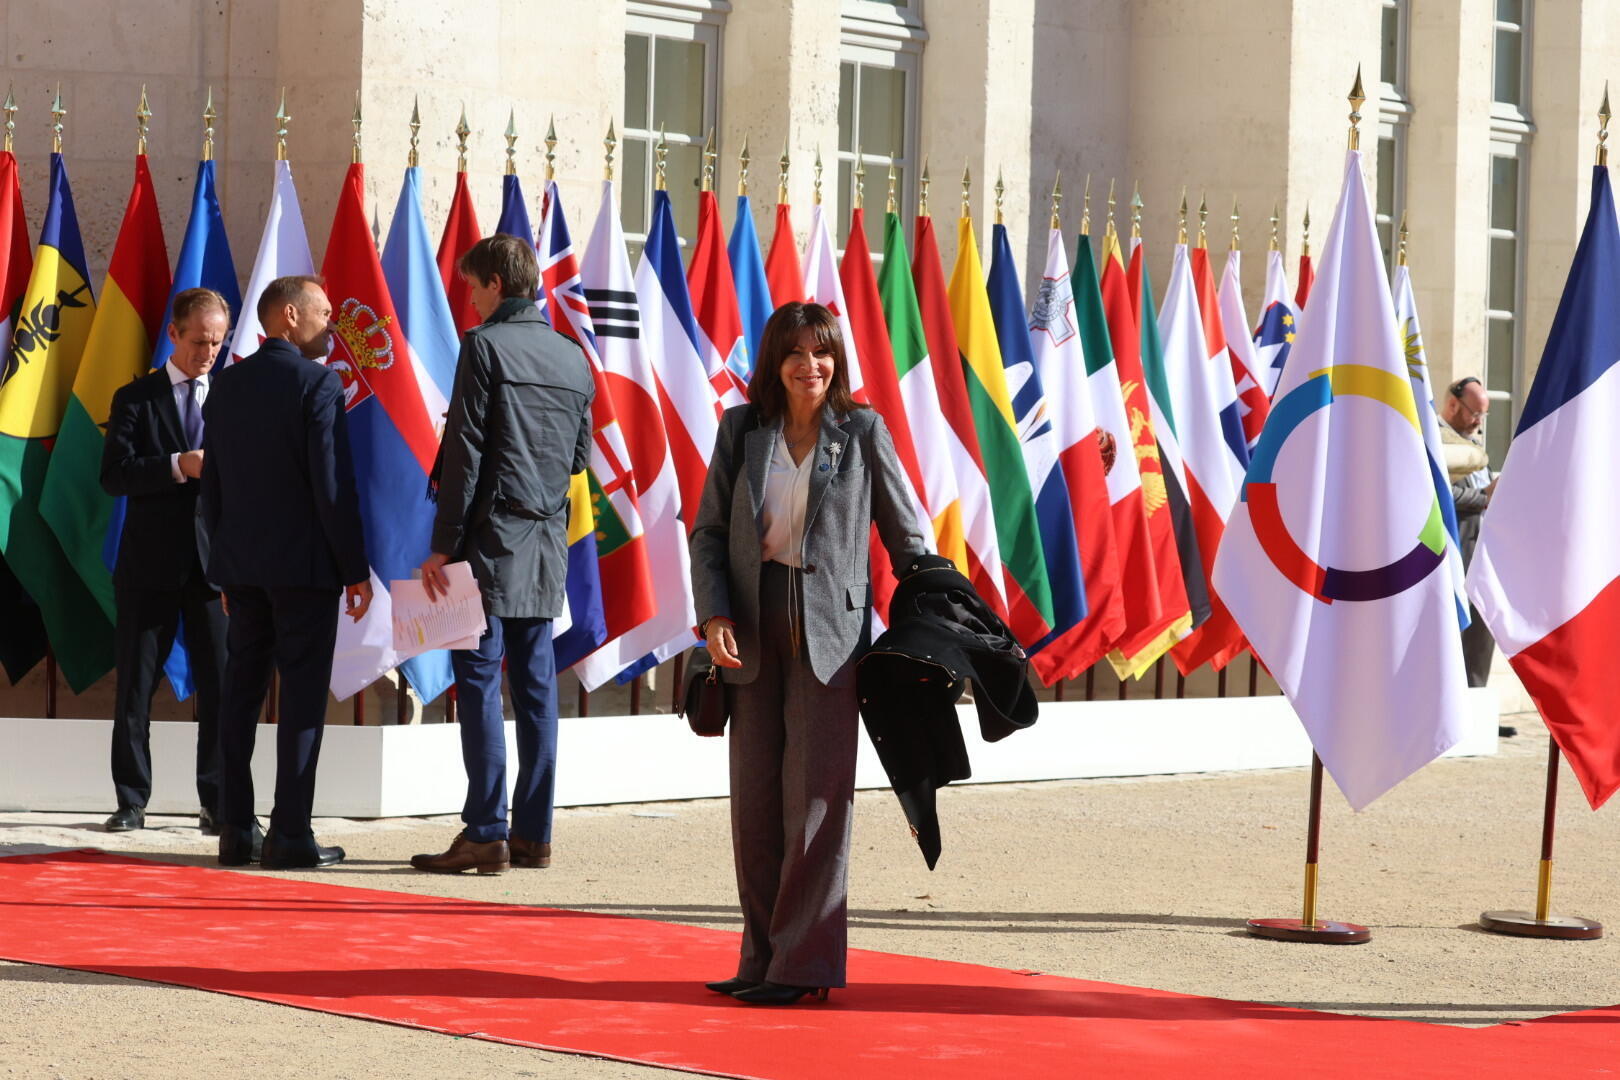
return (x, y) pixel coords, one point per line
(191, 417)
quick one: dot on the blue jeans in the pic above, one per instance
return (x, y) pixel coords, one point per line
(532, 673)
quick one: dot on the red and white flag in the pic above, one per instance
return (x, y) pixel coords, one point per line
(823, 286)
(714, 306)
(1254, 399)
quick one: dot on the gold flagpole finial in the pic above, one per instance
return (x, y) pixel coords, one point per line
(209, 116)
(1181, 235)
(1357, 98)
(143, 116)
(10, 117)
(511, 142)
(860, 181)
(1234, 223)
(816, 171)
(782, 174)
(281, 129)
(462, 131)
(1276, 245)
(893, 204)
(414, 155)
(1136, 211)
(742, 168)
(1109, 229)
(1085, 208)
(1603, 127)
(608, 144)
(551, 148)
(1001, 192)
(1305, 243)
(357, 121)
(1203, 220)
(707, 181)
(661, 165)
(1057, 200)
(967, 192)
(922, 191)
(1400, 257)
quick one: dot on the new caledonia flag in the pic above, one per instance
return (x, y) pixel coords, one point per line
(36, 380)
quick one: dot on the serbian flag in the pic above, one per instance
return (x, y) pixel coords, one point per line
(782, 270)
(1209, 428)
(871, 339)
(686, 397)
(753, 289)
(1279, 321)
(390, 431)
(460, 233)
(1060, 362)
(283, 250)
(1334, 560)
(963, 454)
(1546, 574)
(1254, 399)
(22, 633)
(823, 286)
(129, 320)
(623, 575)
(627, 373)
(714, 306)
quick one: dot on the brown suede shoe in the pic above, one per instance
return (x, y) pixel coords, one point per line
(529, 855)
(489, 858)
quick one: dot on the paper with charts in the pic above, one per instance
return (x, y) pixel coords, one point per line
(454, 621)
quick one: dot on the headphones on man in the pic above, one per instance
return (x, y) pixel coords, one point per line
(1456, 389)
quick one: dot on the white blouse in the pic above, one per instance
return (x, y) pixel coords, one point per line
(787, 492)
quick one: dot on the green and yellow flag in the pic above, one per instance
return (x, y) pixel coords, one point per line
(122, 338)
(36, 381)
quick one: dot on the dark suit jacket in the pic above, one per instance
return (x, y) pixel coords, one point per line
(161, 544)
(519, 426)
(278, 494)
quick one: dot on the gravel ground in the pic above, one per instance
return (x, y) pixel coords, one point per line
(1140, 881)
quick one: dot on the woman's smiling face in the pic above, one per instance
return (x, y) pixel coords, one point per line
(807, 371)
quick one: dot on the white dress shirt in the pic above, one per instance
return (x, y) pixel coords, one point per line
(177, 381)
(787, 491)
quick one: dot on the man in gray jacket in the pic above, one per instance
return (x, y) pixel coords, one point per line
(519, 426)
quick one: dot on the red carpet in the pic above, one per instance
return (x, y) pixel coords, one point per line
(631, 989)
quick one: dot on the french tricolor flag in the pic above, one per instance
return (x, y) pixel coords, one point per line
(1546, 574)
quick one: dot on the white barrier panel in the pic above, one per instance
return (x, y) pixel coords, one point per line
(396, 771)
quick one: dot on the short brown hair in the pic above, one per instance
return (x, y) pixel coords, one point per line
(779, 338)
(510, 258)
(283, 291)
(189, 302)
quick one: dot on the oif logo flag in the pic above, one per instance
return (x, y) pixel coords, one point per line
(1334, 561)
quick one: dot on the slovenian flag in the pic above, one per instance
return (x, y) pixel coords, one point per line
(1546, 574)
(1279, 322)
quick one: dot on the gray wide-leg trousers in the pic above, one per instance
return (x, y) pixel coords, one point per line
(793, 743)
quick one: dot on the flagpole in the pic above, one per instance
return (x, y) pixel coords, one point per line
(1308, 928)
(1541, 922)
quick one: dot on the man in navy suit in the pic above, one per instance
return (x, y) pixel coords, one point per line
(279, 504)
(153, 458)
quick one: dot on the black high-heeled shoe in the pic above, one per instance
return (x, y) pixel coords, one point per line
(769, 993)
(731, 986)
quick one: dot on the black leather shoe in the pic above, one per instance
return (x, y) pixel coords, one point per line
(238, 846)
(769, 993)
(127, 819)
(297, 852)
(206, 823)
(731, 986)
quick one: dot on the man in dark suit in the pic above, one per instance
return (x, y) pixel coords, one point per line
(279, 504)
(152, 457)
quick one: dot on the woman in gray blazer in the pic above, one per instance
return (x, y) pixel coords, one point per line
(781, 582)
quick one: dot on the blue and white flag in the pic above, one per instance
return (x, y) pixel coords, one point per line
(748, 272)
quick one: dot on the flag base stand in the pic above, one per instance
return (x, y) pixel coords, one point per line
(1525, 924)
(1308, 928)
(1542, 923)
(1321, 932)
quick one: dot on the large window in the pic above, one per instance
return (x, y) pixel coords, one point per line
(1394, 117)
(1391, 187)
(1510, 68)
(1504, 291)
(877, 110)
(671, 77)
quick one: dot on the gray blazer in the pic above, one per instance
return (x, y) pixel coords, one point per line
(519, 426)
(856, 483)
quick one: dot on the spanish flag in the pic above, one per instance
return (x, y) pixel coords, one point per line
(122, 339)
(36, 381)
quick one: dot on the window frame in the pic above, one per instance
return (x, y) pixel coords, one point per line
(877, 35)
(1396, 92)
(1507, 114)
(1515, 145)
(1395, 129)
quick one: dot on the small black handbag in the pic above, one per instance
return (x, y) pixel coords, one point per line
(703, 699)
